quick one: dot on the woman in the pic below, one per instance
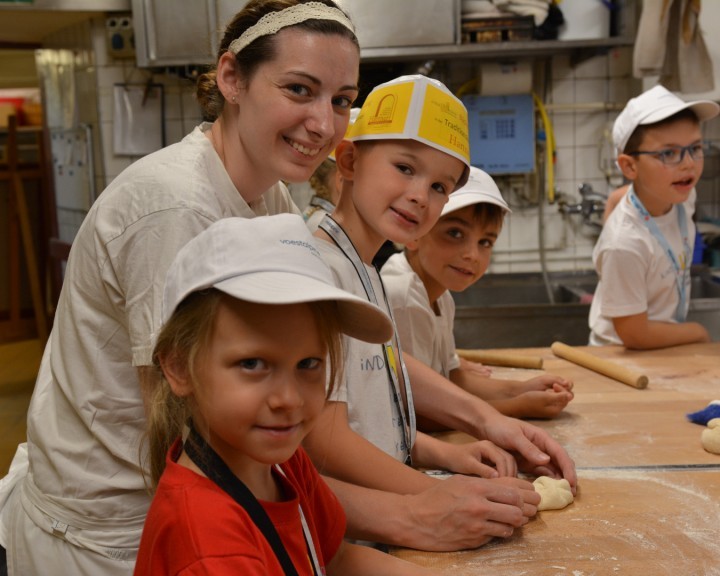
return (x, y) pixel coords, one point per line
(280, 98)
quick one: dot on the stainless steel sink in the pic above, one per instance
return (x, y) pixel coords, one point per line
(514, 310)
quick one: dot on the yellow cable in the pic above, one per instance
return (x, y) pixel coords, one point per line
(550, 149)
(469, 85)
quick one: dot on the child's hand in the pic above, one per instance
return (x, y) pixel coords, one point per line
(542, 404)
(479, 458)
(544, 382)
(475, 367)
(542, 397)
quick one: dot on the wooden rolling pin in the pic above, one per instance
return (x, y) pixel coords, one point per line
(501, 359)
(605, 367)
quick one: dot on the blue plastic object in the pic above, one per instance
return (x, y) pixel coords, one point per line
(704, 416)
(699, 250)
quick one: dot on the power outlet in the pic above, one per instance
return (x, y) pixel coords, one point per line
(120, 36)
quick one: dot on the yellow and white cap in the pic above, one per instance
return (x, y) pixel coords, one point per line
(353, 116)
(418, 108)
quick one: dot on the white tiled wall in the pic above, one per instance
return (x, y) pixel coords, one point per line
(181, 111)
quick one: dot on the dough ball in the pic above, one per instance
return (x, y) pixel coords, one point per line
(711, 436)
(554, 494)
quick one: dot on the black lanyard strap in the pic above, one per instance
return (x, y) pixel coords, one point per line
(214, 467)
(406, 408)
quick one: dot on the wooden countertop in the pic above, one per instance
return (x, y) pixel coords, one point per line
(649, 495)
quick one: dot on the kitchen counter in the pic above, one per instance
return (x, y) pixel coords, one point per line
(649, 495)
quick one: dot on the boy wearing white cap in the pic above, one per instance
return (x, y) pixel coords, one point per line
(249, 338)
(644, 252)
(406, 152)
(453, 256)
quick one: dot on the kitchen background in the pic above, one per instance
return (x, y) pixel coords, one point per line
(115, 79)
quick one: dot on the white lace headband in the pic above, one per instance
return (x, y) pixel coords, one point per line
(273, 22)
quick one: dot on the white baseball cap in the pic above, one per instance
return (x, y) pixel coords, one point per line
(653, 106)
(480, 188)
(419, 108)
(268, 260)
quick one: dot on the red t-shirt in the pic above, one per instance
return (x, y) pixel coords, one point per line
(193, 527)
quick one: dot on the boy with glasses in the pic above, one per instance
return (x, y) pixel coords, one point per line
(644, 253)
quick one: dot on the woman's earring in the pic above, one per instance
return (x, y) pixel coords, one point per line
(234, 99)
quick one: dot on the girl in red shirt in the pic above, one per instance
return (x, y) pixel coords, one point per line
(248, 342)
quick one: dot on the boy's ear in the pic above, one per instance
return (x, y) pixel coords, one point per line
(176, 373)
(628, 165)
(345, 155)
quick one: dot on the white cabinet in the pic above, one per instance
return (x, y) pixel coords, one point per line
(391, 23)
(180, 32)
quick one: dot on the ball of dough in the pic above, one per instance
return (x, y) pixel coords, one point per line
(554, 494)
(711, 436)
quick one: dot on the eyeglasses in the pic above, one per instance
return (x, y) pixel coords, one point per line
(676, 154)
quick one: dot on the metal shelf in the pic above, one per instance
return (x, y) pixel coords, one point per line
(578, 49)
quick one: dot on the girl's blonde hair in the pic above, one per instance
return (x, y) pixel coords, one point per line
(183, 340)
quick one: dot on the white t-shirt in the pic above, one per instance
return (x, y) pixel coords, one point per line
(86, 417)
(635, 274)
(424, 335)
(366, 387)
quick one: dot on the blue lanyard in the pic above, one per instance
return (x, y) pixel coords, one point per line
(680, 266)
(407, 417)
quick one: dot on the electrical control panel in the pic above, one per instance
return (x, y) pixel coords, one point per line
(502, 133)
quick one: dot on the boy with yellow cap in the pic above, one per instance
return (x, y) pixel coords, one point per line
(406, 152)
(453, 256)
(644, 253)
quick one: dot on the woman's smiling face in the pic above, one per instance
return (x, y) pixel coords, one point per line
(296, 107)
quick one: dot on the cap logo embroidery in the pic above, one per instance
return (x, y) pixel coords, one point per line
(385, 110)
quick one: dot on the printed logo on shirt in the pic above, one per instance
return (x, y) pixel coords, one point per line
(372, 364)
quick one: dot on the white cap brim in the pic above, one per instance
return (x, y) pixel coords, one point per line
(358, 318)
(464, 199)
(479, 189)
(268, 260)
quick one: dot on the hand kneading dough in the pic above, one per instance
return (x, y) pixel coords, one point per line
(554, 494)
(711, 436)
